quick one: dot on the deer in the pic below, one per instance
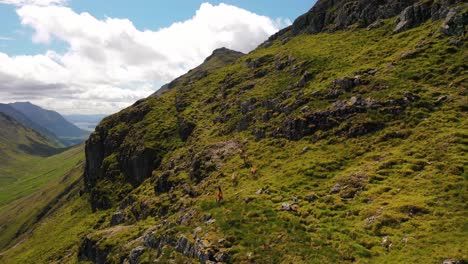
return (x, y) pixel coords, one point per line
(253, 170)
(219, 195)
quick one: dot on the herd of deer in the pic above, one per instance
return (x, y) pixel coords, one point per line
(234, 177)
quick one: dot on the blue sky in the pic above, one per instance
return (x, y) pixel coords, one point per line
(144, 14)
(97, 57)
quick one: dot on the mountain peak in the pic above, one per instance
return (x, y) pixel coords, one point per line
(223, 53)
(219, 58)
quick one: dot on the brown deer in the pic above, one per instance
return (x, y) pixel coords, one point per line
(234, 179)
(253, 170)
(219, 195)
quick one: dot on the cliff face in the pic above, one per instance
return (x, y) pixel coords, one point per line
(119, 152)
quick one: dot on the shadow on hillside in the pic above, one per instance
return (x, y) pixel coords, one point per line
(42, 150)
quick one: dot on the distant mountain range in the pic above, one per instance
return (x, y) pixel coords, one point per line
(50, 124)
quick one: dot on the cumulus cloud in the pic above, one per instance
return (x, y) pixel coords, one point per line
(110, 63)
(33, 2)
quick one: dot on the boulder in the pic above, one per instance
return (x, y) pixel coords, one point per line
(456, 21)
(117, 218)
(248, 105)
(185, 128)
(163, 183)
(90, 251)
(133, 257)
(335, 189)
(413, 16)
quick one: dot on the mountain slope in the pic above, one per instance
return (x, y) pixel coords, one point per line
(17, 140)
(25, 121)
(332, 147)
(53, 121)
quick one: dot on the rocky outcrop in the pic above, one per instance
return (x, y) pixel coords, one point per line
(193, 250)
(456, 21)
(210, 159)
(295, 128)
(185, 128)
(107, 156)
(413, 16)
(329, 16)
(135, 254)
(163, 183)
(90, 251)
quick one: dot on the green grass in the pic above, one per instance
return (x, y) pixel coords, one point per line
(23, 176)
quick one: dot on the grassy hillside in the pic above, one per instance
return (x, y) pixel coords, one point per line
(329, 148)
(31, 187)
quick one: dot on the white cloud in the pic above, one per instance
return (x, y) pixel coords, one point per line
(110, 64)
(33, 2)
(5, 38)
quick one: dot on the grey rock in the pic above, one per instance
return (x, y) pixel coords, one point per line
(335, 189)
(286, 207)
(413, 16)
(259, 133)
(90, 251)
(248, 199)
(210, 222)
(411, 97)
(372, 72)
(185, 128)
(456, 21)
(133, 257)
(221, 257)
(117, 218)
(452, 261)
(193, 250)
(150, 240)
(338, 15)
(441, 99)
(163, 183)
(377, 24)
(304, 80)
(248, 105)
(386, 243)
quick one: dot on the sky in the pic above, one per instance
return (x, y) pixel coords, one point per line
(98, 57)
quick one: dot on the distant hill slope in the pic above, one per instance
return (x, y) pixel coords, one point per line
(25, 121)
(53, 121)
(17, 140)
